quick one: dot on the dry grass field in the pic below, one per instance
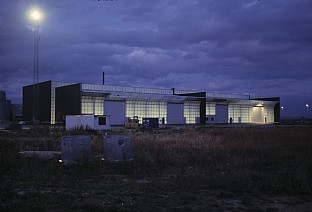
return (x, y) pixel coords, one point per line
(259, 168)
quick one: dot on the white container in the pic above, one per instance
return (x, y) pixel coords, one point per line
(76, 149)
(117, 148)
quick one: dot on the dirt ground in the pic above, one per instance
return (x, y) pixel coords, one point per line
(154, 183)
(74, 189)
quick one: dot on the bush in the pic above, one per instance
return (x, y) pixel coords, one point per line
(14, 126)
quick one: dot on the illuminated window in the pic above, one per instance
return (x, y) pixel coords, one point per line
(210, 108)
(53, 86)
(92, 105)
(98, 106)
(269, 113)
(191, 112)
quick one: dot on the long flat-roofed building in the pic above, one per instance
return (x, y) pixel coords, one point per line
(170, 106)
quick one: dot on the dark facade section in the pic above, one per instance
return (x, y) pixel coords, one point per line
(203, 112)
(277, 112)
(277, 107)
(8, 110)
(27, 103)
(67, 101)
(43, 104)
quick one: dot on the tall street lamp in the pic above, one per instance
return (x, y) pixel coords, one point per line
(36, 16)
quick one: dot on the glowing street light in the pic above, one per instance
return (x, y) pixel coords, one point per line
(307, 106)
(36, 15)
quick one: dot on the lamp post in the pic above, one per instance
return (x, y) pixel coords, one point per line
(35, 15)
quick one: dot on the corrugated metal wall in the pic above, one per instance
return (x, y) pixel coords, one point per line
(116, 110)
(175, 114)
(221, 113)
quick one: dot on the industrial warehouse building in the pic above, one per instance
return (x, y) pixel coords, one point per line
(55, 100)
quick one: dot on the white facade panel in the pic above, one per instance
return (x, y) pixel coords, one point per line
(221, 114)
(116, 111)
(175, 114)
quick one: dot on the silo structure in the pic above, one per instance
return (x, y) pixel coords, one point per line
(117, 148)
(8, 110)
(2, 105)
(76, 149)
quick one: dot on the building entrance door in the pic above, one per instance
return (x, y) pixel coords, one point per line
(258, 114)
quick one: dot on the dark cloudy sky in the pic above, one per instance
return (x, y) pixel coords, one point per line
(263, 48)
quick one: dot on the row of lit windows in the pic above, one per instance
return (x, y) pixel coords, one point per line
(155, 109)
(240, 113)
(244, 114)
(146, 109)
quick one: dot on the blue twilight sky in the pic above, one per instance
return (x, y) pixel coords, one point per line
(259, 47)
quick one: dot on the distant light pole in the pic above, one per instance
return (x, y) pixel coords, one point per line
(282, 113)
(307, 106)
(36, 16)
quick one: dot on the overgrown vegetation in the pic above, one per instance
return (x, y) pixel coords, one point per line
(175, 168)
(272, 160)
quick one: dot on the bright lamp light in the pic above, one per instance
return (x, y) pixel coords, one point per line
(35, 15)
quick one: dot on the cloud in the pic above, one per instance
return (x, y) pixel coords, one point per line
(259, 47)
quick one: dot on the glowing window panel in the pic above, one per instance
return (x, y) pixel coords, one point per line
(92, 105)
(210, 108)
(240, 113)
(269, 113)
(191, 112)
